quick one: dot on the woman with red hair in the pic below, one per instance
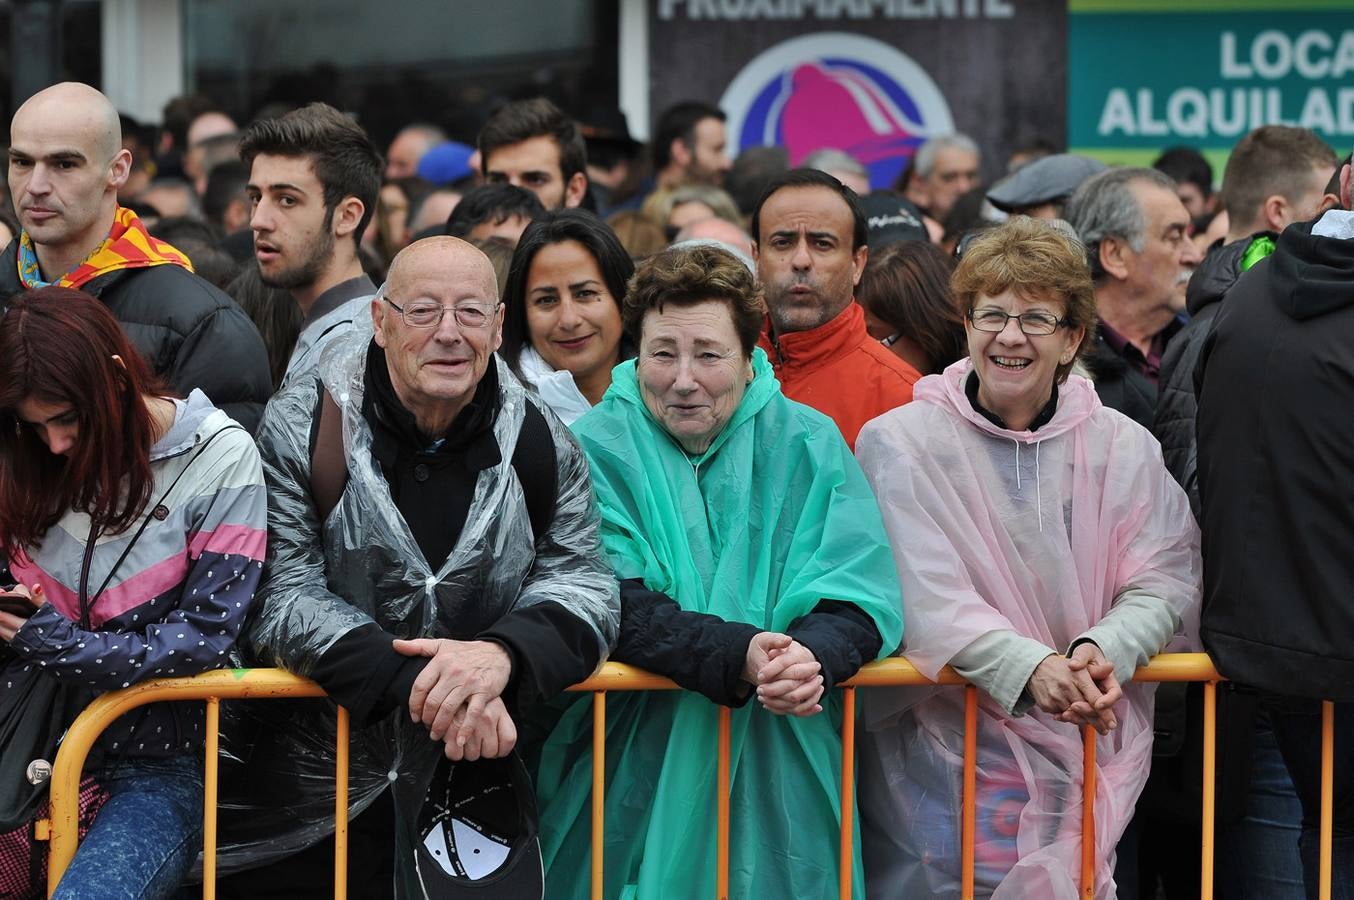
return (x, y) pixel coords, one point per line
(134, 525)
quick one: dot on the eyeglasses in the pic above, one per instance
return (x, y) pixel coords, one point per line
(427, 314)
(993, 320)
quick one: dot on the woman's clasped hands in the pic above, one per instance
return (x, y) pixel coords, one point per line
(1080, 689)
(786, 674)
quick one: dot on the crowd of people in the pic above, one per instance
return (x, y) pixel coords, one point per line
(444, 428)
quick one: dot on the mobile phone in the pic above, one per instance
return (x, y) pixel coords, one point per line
(17, 605)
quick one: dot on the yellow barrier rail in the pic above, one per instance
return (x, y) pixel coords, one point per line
(272, 683)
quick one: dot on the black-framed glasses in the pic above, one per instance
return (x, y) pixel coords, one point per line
(993, 320)
(427, 314)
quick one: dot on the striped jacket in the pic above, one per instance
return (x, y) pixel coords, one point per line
(176, 603)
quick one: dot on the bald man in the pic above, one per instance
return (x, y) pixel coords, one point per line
(408, 147)
(66, 163)
(488, 561)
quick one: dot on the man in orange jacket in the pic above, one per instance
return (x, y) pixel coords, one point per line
(809, 243)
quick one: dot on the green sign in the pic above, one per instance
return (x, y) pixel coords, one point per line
(1142, 77)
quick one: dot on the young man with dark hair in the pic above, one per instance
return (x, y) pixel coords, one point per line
(532, 144)
(809, 242)
(491, 211)
(690, 144)
(314, 176)
(1193, 177)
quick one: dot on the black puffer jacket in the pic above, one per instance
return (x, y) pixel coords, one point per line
(190, 333)
(1176, 406)
(1276, 446)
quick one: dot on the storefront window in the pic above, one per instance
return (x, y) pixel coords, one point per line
(398, 61)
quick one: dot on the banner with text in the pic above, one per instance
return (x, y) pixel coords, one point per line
(872, 77)
(1139, 81)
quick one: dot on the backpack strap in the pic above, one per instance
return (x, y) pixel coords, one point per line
(533, 459)
(328, 468)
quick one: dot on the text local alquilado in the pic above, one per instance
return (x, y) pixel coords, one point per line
(1314, 55)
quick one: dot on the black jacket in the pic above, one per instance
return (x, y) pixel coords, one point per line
(190, 333)
(1276, 453)
(1120, 386)
(1176, 406)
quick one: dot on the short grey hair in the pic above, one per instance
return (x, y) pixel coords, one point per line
(832, 160)
(925, 159)
(1106, 206)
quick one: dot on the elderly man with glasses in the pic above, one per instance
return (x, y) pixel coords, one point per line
(433, 557)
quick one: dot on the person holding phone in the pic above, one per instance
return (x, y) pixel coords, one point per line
(134, 524)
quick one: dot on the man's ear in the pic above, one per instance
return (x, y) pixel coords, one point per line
(1276, 212)
(575, 189)
(379, 310)
(858, 259)
(1114, 257)
(346, 216)
(679, 152)
(120, 169)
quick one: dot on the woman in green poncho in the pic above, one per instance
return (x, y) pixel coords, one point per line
(752, 561)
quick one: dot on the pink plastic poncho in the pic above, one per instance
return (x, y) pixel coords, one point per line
(1035, 532)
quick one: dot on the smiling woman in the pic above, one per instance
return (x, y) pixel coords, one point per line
(1045, 553)
(562, 330)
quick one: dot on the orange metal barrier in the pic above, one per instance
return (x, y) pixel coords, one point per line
(264, 683)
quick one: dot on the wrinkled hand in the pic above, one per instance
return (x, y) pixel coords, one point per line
(1057, 689)
(788, 677)
(1089, 664)
(10, 623)
(456, 686)
(493, 738)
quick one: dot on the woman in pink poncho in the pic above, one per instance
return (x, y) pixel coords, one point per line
(1045, 553)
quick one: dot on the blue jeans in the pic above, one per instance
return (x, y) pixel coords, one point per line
(1297, 728)
(144, 840)
(1257, 857)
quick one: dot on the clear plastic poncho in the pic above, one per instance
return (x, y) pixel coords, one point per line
(774, 517)
(1035, 532)
(364, 565)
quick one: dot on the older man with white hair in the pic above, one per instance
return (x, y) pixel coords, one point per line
(943, 170)
(1135, 231)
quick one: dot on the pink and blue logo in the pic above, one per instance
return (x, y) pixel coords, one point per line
(837, 90)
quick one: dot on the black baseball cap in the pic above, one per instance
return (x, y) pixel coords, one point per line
(477, 832)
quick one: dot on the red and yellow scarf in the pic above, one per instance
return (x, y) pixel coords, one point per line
(128, 246)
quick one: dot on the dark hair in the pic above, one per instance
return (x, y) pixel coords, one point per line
(1185, 165)
(907, 285)
(274, 312)
(525, 119)
(966, 215)
(679, 121)
(198, 241)
(798, 178)
(556, 228)
(685, 276)
(752, 171)
(179, 113)
(496, 203)
(345, 160)
(1273, 159)
(225, 182)
(58, 346)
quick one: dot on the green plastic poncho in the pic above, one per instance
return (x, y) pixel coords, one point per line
(773, 518)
